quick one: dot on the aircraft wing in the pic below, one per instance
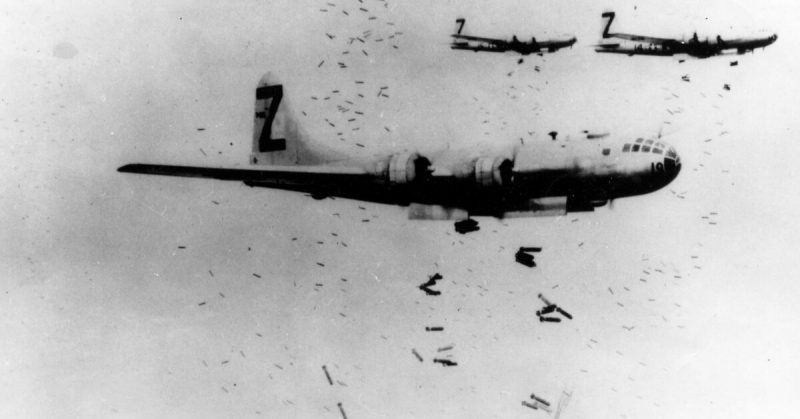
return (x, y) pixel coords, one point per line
(319, 181)
(554, 45)
(615, 49)
(642, 38)
(290, 174)
(489, 47)
(478, 38)
(445, 193)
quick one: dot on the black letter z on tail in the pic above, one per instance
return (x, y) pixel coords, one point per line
(266, 142)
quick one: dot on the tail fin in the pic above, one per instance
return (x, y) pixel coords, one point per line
(610, 16)
(277, 137)
(460, 25)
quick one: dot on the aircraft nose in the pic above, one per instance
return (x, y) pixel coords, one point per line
(672, 163)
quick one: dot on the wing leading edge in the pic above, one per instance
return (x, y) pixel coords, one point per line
(282, 172)
(319, 181)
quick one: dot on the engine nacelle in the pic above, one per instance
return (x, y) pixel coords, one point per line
(493, 171)
(406, 168)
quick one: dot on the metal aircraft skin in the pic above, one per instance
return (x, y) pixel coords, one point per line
(549, 177)
(465, 42)
(648, 45)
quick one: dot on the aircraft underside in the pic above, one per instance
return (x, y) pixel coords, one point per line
(581, 193)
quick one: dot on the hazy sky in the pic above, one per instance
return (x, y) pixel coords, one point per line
(137, 296)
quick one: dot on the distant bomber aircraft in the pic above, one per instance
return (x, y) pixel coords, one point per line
(545, 178)
(500, 45)
(649, 45)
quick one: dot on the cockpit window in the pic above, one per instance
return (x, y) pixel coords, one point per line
(645, 149)
(626, 148)
(636, 147)
(657, 150)
(648, 142)
(671, 154)
(659, 145)
(606, 151)
(639, 140)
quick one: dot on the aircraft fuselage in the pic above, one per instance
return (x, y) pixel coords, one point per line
(588, 173)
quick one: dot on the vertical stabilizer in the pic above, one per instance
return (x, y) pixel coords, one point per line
(459, 25)
(278, 139)
(610, 17)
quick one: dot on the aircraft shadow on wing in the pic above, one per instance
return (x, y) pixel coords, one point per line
(649, 45)
(535, 179)
(476, 43)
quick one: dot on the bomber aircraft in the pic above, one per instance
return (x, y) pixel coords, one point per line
(648, 45)
(475, 43)
(534, 179)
